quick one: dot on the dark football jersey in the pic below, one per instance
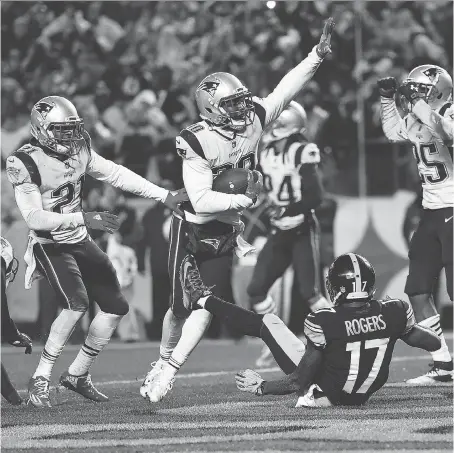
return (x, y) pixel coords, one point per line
(357, 344)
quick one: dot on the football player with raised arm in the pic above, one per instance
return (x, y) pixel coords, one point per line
(293, 184)
(10, 333)
(426, 95)
(349, 346)
(232, 124)
(48, 175)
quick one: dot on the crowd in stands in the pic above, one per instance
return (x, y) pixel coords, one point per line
(131, 69)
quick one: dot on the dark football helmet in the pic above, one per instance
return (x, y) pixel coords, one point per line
(350, 277)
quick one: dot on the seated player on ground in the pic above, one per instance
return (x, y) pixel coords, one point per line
(349, 346)
(10, 333)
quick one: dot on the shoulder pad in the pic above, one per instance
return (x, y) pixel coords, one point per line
(188, 145)
(314, 331)
(21, 169)
(447, 111)
(87, 138)
(259, 110)
(195, 128)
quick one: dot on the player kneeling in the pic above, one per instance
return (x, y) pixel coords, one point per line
(349, 347)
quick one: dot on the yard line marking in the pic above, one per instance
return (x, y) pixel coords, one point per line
(261, 370)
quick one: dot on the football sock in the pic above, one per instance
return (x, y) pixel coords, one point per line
(60, 332)
(99, 333)
(245, 321)
(191, 334)
(442, 354)
(171, 333)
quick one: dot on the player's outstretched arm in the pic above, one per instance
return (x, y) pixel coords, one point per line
(392, 123)
(301, 378)
(295, 80)
(420, 337)
(125, 179)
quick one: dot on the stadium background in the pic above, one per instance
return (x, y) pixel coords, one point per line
(131, 69)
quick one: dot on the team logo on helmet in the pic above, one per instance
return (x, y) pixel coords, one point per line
(43, 108)
(209, 87)
(432, 74)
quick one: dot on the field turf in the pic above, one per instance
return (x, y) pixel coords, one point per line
(205, 412)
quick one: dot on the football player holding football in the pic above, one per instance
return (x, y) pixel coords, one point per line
(426, 96)
(349, 346)
(10, 333)
(292, 181)
(48, 175)
(232, 124)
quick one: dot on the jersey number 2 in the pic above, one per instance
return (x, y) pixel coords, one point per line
(67, 193)
(355, 348)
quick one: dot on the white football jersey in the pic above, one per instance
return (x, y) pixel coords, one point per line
(208, 150)
(280, 163)
(433, 154)
(60, 183)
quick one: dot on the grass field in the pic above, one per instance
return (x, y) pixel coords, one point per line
(205, 412)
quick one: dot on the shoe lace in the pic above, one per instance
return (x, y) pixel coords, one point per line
(42, 387)
(195, 282)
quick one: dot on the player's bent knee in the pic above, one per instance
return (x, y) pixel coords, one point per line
(118, 307)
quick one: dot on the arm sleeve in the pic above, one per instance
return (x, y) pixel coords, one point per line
(392, 123)
(124, 179)
(292, 83)
(29, 201)
(443, 125)
(313, 331)
(9, 329)
(198, 182)
(301, 378)
(410, 317)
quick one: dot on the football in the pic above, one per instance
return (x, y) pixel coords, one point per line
(232, 181)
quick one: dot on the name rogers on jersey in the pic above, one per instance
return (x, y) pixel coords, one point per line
(365, 325)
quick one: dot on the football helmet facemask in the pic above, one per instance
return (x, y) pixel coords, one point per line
(56, 124)
(433, 83)
(291, 121)
(225, 102)
(350, 277)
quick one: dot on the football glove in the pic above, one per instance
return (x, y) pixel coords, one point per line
(104, 221)
(174, 199)
(387, 87)
(410, 91)
(249, 381)
(324, 46)
(23, 341)
(254, 186)
(274, 212)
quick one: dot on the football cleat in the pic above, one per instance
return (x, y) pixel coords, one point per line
(161, 386)
(38, 392)
(266, 358)
(439, 373)
(191, 283)
(83, 386)
(145, 388)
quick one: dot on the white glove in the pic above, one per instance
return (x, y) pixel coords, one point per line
(249, 381)
(240, 202)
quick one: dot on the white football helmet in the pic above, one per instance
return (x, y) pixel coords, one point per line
(433, 82)
(224, 101)
(291, 121)
(56, 124)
